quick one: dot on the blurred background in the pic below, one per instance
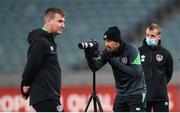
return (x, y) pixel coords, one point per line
(86, 19)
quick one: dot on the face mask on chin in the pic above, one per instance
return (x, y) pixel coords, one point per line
(151, 41)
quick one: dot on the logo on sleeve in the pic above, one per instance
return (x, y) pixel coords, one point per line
(159, 57)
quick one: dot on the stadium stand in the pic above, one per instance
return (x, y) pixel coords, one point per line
(85, 19)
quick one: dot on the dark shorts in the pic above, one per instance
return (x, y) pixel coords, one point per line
(131, 103)
(158, 106)
(50, 105)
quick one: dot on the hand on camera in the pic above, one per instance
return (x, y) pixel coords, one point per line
(91, 48)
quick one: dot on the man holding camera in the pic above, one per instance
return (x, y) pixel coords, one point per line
(126, 65)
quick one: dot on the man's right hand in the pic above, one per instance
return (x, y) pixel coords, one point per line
(25, 91)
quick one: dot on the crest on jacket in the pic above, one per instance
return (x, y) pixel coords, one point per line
(124, 60)
(159, 57)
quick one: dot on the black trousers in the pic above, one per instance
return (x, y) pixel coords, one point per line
(50, 105)
(131, 103)
(158, 106)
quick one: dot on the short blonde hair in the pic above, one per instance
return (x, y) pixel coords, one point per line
(50, 12)
(155, 26)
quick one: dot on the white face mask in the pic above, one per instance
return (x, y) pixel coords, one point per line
(151, 41)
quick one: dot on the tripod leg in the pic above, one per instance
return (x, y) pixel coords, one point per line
(94, 100)
(99, 104)
(88, 103)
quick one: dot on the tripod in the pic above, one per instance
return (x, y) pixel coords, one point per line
(93, 96)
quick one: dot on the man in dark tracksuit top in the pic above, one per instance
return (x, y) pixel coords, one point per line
(158, 67)
(125, 62)
(41, 79)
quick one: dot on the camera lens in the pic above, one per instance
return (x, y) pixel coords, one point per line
(85, 45)
(81, 45)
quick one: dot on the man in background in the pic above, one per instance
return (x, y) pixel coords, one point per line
(41, 79)
(157, 64)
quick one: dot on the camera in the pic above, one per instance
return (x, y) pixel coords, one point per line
(92, 44)
(90, 47)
